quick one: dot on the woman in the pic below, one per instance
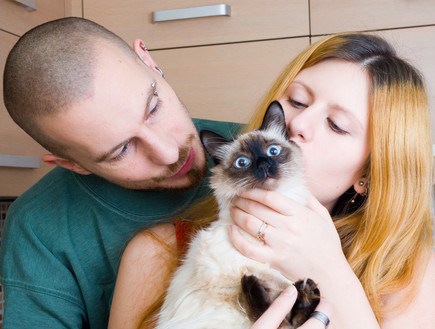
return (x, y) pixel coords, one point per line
(361, 117)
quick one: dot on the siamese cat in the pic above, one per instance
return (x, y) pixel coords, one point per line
(216, 286)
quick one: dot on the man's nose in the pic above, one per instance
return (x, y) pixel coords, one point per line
(160, 146)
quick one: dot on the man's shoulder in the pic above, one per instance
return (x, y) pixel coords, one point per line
(48, 189)
(225, 128)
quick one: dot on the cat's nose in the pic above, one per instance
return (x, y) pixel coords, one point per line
(263, 168)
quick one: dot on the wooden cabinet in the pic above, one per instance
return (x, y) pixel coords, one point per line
(249, 20)
(226, 82)
(16, 19)
(332, 16)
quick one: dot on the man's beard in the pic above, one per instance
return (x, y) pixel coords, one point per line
(195, 175)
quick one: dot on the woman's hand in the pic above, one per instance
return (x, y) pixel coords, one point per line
(272, 318)
(299, 241)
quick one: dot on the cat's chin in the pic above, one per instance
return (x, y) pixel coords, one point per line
(269, 184)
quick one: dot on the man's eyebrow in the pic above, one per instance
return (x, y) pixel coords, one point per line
(105, 156)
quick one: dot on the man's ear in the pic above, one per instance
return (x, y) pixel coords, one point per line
(67, 164)
(142, 51)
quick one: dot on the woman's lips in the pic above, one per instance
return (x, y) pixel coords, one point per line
(187, 165)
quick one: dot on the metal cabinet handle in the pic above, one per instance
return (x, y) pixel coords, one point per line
(30, 4)
(192, 12)
(19, 161)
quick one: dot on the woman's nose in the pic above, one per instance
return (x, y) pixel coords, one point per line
(302, 126)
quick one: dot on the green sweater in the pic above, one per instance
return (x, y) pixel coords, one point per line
(63, 240)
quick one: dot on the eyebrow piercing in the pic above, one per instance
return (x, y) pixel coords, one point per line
(153, 85)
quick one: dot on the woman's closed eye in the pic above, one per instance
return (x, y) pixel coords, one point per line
(335, 128)
(296, 104)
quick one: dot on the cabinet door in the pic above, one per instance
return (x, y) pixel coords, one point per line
(16, 18)
(249, 20)
(14, 141)
(226, 82)
(332, 16)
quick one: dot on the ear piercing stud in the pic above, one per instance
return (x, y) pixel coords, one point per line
(143, 46)
(161, 71)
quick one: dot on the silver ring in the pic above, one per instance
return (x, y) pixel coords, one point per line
(322, 317)
(261, 231)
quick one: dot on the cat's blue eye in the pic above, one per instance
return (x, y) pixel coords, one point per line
(242, 162)
(273, 150)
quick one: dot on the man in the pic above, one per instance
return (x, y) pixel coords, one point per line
(128, 155)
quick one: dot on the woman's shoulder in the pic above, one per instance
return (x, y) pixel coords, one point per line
(142, 276)
(147, 243)
(419, 313)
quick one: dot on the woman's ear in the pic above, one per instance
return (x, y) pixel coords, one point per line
(360, 186)
(142, 51)
(67, 164)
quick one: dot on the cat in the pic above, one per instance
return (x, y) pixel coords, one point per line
(216, 286)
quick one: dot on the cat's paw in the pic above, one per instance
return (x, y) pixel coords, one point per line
(307, 301)
(254, 297)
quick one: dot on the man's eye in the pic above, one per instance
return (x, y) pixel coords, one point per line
(123, 152)
(155, 109)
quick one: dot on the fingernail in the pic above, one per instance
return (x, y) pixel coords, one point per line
(290, 291)
(232, 228)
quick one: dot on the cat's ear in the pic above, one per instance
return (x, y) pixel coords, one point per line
(212, 142)
(274, 117)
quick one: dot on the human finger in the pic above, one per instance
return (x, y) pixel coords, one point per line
(248, 222)
(273, 200)
(275, 314)
(325, 311)
(249, 211)
(259, 252)
(314, 205)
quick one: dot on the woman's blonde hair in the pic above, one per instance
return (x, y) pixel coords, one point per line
(390, 232)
